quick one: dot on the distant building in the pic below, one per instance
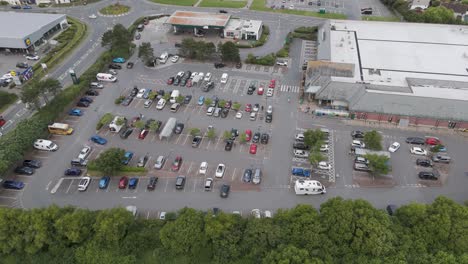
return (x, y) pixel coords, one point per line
(243, 29)
(420, 4)
(460, 11)
(29, 29)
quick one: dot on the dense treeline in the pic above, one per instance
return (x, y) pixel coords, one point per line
(342, 231)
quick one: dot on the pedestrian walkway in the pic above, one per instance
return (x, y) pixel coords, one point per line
(290, 88)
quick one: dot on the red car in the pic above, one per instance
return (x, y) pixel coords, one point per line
(143, 134)
(170, 80)
(189, 83)
(177, 163)
(272, 83)
(260, 90)
(123, 182)
(433, 141)
(228, 104)
(248, 108)
(253, 149)
(248, 133)
(2, 121)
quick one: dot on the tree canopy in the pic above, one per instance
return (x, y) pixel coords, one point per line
(109, 161)
(118, 39)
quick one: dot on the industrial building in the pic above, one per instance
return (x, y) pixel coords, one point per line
(402, 73)
(222, 24)
(22, 32)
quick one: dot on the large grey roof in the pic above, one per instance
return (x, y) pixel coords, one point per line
(21, 24)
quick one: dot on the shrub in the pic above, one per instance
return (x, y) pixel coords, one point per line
(268, 60)
(119, 100)
(3, 3)
(41, 5)
(282, 53)
(105, 119)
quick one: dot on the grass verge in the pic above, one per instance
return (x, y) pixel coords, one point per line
(259, 5)
(222, 3)
(133, 171)
(116, 9)
(6, 99)
(381, 18)
(178, 2)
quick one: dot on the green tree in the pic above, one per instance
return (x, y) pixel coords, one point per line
(30, 94)
(227, 135)
(111, 225)
(211, 134)
(236, 106)
(289, 254)
(224, 232)
(167, 96)
(110, 161)
(145, 51)
(436, 148)
(194, 132)
(439, 15)
(243, 137)
(118, 39)
(185, 235)
(222, 103)
(120, 121)
(315, 157)
(313, 138)
(180, 99)
(140, 124)
(378, 164)
(259, 238)
(230, 52)
(208, 101)
(373, 140)
(152, 95)
(154, 126)
(50, 85)
(74, 227)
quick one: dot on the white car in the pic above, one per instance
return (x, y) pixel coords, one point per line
(159, 162)
(394, 147)
(141, 93)
(162, 216)
(161, 104)
(323, 165)
(193, 75)
(282, 63)
(148, 103)
(239, 115)
(220, 170)
(180, 74)
(201, 74)
(291, 7)
(358, 144)
(203, 168)
(84, 153)
(298, 153)
(255, 108)
(83, 184)
(299, 137)
(92, 16)
(270, 109)
(267, 214)
(32, 57)
(256, 213)
(270, 92)
(324, 148)
(418, 151)
(174, 59)
(207, 77)
(210, 111)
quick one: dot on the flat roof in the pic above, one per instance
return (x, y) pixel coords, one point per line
(249, 25)
(19, 25)
(200, 19)
(400, 51)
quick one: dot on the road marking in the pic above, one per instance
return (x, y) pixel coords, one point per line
(69, 186)
(186, 137)
(165, 188)
(233, 174)
(47, 187)
(7, 197)
(190, 168)
(194, 185)
(129, 197)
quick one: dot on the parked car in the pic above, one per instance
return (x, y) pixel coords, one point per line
(415, 140)
(301, 146)
(433, 141)
(394, 147)
(256, 137)
(418, 151)
(220, 170)
(32, 57)
(301, 172)
(118, 60)
(75, 112)
(24, 170)
(132, 183)
(72, 172)
(143, 160)
(125, 133)
(357, 134)
(152, 183)
(224, 192)
(179, 128)
(196, 141)
(130, 65)
(128, 155)
(187, 99)
(428, 175)
(104, 182)
(22, 65)
(264, 138)
(201, 100)
(10, 184)
(424, 162)
(143, 134)
(229, 144)
(98, 140)
(36, 164)
(358, 144)
(177, 163)
(253, 149)
(323, 165)
(180, 182)
(115, 66)
(83, 184)
(82, 104)
(85, 151)
(92, 93)
(248, 134)
(159, 162)
(123, 182)
(247, 177)
(174, 59)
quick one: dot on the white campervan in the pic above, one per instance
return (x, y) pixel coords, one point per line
(305, 187)
(47, 145)
(174, 96)
(224, 78)
(106, 77)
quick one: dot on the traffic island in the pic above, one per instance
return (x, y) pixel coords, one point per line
(114, 10)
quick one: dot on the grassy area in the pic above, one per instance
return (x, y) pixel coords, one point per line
(260, 6)
(381, 18)
(116, 9)
(222, 3)
(6, 99)
(178, 2)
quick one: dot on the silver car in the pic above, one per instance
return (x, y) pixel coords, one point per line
(160, 162)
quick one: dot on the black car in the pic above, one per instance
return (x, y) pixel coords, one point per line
(256, 137)
(24, 170)
(268, 118)
(251, 90)
(127, 101)
(178, 128)
(152, 183)
(177, 45)
(187, 99)
(92, 93)
(229, 144)
(187, 75)
(22, 65)
(234, 133)
(428, 175)
(224, 192)
(247, 175)
(424, 162)
(301, 146)
(180, 182)
(115, 66)
(223, 11)
(224, 112)
(264, 138)
(208, 86)
(218, 65)
(36, 164)
(86, 99)
(72, 172)
(82, 104)
(196, 141)
(357, 134)
(238, 65)
(134, 92)
(159, 123)
(415, 140)
(125, 133)
(130, 65)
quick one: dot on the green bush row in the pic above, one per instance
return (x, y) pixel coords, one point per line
(268, 60)
(6, 99)
(105, 120)
(125, 169)
(263, 39)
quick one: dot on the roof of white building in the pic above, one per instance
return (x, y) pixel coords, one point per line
(21, 24)
(246, 25)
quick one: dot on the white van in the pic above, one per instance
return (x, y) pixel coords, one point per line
(43, 144)
(106, 77)
(224, 78)
(305, 187)
(174, 96)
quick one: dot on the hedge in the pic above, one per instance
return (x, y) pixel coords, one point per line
(92, 169)
(105, 120)
(6, 99)
(263, 39)
(268, 60)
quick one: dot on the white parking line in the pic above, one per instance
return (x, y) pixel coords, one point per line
(190, 167)
(233, 174)
(7, 197)
(185, 141)
(177, 140)
(69, 186)
(194, 185)
(165, 187)
(217, 143)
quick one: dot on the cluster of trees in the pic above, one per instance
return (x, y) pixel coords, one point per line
(341, 231)
(434, 14)
(109, 162)
(314, 139)
(200, 50)
(35, 89)
(119, 41)
(146, 53)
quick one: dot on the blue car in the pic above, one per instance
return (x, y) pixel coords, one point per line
(146, 94)
(201, 100)
(118, 60)
(86, 99)
(27, 7)
(132, 183)
(75, 112)
(17, 185)
(127, 157)
(16, 7)
(98, 140)
(104, 182)
(72, 172)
